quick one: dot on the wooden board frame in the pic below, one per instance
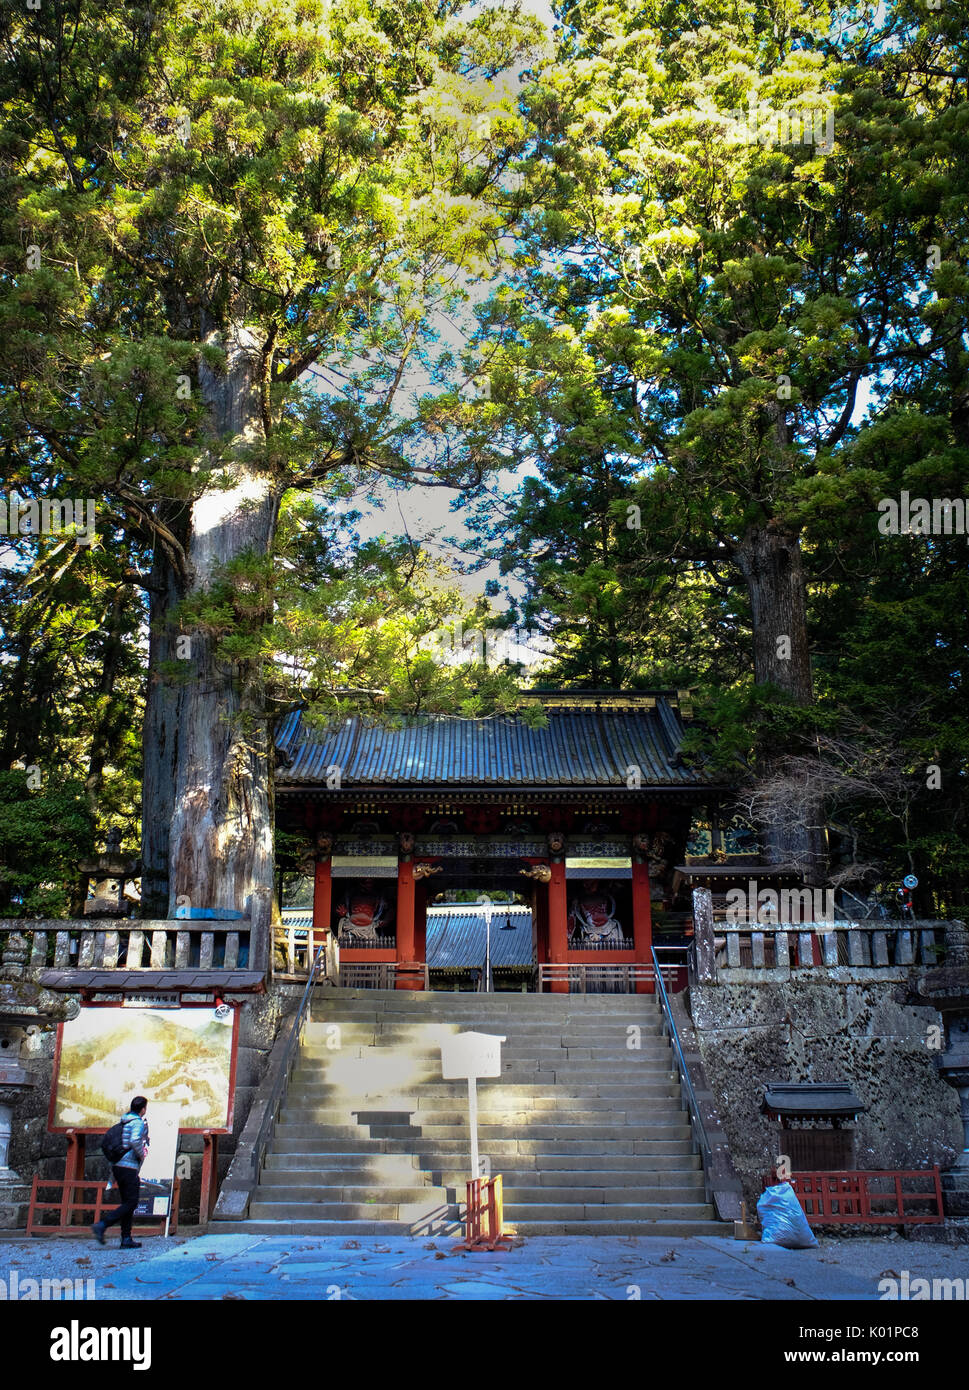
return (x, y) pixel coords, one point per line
(101, 1129)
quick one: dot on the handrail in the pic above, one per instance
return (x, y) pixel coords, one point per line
(696, 1119)
(281, 1083)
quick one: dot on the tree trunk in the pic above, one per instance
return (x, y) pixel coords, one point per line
(163, 701)
(770, 560)
(220, 841)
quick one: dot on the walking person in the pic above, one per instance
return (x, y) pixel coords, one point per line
(134, 1141)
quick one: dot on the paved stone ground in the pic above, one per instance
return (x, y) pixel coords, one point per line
(543, 1268)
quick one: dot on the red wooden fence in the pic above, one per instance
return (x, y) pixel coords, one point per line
(873, 1198)
(74, 1210)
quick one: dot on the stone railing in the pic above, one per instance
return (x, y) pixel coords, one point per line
(828, 945)
(126, 944)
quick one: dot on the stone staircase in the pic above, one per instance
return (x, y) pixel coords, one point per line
(589, 1134)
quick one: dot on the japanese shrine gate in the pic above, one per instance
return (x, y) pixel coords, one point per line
(584, 818)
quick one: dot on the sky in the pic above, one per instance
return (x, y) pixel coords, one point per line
(425, 513)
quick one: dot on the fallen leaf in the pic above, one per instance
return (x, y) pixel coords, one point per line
(440, 1255)
(888, 1274)
(665, 1259)
(83, 1260)
(790, 1282)
(236, 1297)
(350, 1245)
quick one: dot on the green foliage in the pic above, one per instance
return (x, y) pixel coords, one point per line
(711, 339)
(43, 834)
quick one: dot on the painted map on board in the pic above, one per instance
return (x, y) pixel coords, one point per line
(177, 1056)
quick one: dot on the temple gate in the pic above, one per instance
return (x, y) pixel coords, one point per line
(583, 820)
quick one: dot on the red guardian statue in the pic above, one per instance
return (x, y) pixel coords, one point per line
(363, 911)
(592, 917)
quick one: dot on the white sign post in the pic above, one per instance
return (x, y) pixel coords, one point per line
(158, 1169)
(471, 1055)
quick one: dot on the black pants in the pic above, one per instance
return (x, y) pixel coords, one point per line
(129, 1185)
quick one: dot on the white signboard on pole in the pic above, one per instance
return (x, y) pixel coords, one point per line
(158, 1170)
(471, 1055)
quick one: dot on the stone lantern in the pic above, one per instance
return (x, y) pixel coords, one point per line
(24, 1007)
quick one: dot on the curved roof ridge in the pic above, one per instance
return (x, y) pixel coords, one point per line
(577, 747)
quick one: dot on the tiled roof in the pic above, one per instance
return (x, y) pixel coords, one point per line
(816, 1098)
(150, 981)
(456, 938)
(577, 748)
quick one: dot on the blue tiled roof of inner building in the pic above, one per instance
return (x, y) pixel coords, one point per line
(456, 938)
(577, 748)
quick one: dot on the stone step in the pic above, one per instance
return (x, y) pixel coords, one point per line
(409, 1212)
(669, 1126)
(542, 1168)
(377, 1120)
(431, 1032)
(431, 1226)
(453, 1192)
(586, 1195)
(556, 1182)
(348, 1174)
(449, 1227)
(566, 1211)
(501, 1020)
(655, 1096)
(536, 1099)
(508, 1026)
(314, 1079)
(357, 1192)
(512, 1059)
(422, 1002)
(336, 1034)
(609, 1227)
(434, 1150)
(572, 1073)
(512, 1025)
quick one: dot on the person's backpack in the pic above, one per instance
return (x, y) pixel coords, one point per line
(112, 1145)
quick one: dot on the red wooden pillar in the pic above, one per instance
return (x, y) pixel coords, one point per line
(322, 900)
(74, 1162)
(73, 1172)
(558, 923)
(406, 938)
(642, 920)
(420, 920)
(540, 924)
(210, 1176)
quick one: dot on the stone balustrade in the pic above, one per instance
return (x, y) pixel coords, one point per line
(126, 955)
(786, 946)
(131, 944)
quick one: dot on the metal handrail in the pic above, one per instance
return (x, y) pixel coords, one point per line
(696, 1119)
(281, 1083)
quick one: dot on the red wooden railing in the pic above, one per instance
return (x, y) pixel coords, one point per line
(76, 1211)
(854, 1198)
(484, 1220)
